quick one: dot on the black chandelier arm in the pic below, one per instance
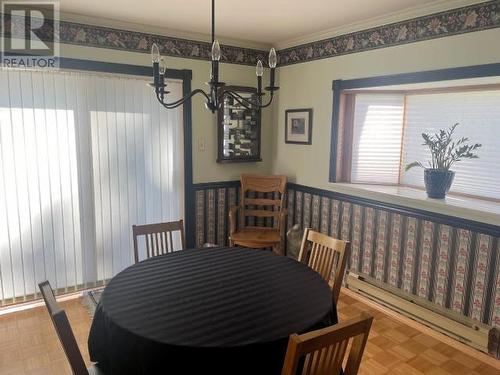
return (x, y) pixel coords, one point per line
(247, 103)
(235, 94)
(181, 101)
(269, 102)
(172, 105)
(223, 93)
(215, 97)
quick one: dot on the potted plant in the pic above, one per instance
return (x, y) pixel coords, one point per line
(444, 153)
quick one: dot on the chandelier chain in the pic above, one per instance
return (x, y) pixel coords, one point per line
(218, 91)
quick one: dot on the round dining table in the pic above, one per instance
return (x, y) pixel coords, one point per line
(207, 311)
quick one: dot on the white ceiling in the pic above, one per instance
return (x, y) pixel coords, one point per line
(270, 22)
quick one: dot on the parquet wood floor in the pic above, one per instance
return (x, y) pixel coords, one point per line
(29, 345)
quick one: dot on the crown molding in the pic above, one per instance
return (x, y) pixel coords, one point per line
(411, 13)
(78, 31)
(470, 18)
(110, 34)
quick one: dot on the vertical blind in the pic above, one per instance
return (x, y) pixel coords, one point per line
(387, 135)
(478, 115)
(377, 131)
(82, 157)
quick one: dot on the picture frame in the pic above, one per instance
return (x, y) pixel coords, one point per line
(298, 126)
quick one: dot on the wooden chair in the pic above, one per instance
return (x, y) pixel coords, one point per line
(323, 351)
(259, 236)
(319, 252)
(65, 333)
(158, 238)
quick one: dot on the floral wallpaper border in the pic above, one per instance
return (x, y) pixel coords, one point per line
(457, 21)
(74, 33)
(133, 41)
(471, 18)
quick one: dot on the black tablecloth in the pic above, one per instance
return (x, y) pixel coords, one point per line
(213, 310)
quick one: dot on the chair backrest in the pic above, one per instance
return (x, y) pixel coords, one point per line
(158, 237)
(269, 199)
(63, 329)
(323, 351)
(322, 253)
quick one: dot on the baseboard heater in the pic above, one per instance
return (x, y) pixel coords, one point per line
(461, 328)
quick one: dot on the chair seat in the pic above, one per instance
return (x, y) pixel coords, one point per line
(256, 236)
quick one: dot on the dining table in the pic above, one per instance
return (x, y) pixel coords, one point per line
(225, 310)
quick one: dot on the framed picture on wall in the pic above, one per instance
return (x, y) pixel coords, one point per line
(298, 126)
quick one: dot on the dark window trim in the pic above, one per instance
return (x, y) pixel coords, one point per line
(182, 74)
(115, 68)
(475, 71)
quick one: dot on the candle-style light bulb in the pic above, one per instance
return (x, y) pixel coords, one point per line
(155, 53)
(215, 51)
(259, 70)
(163, 65)
(272, 58)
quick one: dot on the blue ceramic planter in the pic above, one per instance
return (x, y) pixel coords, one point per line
(438, 182)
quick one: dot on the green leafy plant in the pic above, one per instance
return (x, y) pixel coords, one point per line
(445, 151)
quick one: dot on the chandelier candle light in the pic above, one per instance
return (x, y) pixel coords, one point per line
(218, 91)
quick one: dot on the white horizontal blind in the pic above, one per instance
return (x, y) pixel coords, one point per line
(377, 135)
(478, 113)
(82, 158)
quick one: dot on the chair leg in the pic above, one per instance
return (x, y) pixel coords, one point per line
(277, 249)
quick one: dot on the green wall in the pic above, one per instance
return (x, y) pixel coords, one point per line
(205, 167)
(310, 85)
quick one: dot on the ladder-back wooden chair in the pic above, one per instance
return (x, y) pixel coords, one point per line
(322, 352)
(272, 206)
(322, 253)
(158, 238)
(65, 333)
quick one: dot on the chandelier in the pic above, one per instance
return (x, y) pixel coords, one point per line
(217, 89)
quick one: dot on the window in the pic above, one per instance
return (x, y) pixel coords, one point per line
(382, 133)
(377, 131)
(82, 157)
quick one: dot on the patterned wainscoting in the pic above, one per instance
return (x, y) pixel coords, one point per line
(450, 262)
(213, 201)
(438, 259)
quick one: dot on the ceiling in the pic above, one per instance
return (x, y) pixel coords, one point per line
(270, 22)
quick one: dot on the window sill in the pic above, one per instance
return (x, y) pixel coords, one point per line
(464, 207)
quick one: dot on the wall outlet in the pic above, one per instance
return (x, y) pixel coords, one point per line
(201, 144)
